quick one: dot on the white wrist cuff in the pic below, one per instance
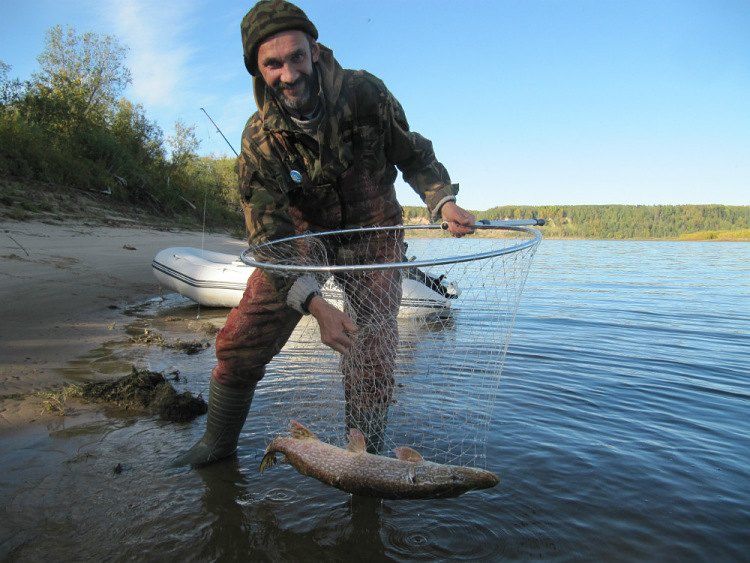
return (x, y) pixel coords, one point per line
(436, 212)
(300, 291)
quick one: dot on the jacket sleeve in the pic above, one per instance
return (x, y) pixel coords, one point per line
(265, 205)
(413, 155)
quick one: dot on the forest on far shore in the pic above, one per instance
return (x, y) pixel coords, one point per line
(684, 222)
(69, 126)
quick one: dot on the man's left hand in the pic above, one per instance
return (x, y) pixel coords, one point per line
(460, 222)
(336, 327)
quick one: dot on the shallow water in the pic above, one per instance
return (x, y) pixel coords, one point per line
(621, 432)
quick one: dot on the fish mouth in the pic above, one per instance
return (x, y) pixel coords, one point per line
(489, 480)
(485, 480)
(493, 481)
(461, 484)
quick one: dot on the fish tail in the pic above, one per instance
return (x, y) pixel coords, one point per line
(269, 460)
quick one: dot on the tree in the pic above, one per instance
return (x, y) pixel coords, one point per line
(81, 75)
(10, 90)
(138, 135)
(184, 144)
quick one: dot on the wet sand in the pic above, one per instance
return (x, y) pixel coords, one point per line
(64, 291)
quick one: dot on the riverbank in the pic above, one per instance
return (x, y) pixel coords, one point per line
(65, 289)
(31, 200)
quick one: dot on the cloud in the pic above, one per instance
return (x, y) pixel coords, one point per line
(159, 38)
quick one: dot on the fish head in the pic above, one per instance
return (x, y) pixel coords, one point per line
(469, 478)
(452, 480)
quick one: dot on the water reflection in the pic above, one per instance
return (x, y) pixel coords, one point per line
(245, 523)
(234, 533)
(364, 530)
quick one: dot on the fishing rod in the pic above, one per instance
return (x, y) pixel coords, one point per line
(205, 197)
(220, 133)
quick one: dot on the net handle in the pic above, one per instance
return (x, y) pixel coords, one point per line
(521, 225)
(487, 224)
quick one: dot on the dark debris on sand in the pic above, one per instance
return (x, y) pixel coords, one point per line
(149, 391)
(189, 347)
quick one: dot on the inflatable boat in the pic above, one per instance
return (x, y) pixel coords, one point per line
(214, 279)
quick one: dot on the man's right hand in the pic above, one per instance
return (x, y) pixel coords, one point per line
(459, 221)
(335, 325)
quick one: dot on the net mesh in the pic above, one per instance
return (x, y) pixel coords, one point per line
(425, 367)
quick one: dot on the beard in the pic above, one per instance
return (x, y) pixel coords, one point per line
(306, 85)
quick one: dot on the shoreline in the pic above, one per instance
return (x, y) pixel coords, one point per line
(66, 288)
(438, 233)
(547, 237)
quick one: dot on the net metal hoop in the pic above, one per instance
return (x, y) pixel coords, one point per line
(248, 258)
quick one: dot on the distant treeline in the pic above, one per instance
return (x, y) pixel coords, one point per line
(68, 125)
(620, 221)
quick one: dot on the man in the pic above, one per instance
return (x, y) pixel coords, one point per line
(320, 154)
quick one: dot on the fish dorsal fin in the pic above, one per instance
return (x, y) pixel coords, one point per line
(356, 441)
(405, 453)
(298, 431)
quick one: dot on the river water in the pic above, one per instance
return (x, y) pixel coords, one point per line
(621, 431)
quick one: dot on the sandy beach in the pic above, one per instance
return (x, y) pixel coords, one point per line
(64, 288)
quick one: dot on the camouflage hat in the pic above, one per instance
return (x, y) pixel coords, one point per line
(266, 18)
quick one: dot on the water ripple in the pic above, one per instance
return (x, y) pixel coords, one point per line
(453, 538)
(280, 495)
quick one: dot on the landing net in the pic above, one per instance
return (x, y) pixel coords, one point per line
(434, 316)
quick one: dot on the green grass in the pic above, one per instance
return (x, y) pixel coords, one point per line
(737, 235)
(55, 402)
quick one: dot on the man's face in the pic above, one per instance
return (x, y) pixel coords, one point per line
(285, 62)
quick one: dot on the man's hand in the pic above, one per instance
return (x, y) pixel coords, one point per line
(460, 222)
(335, 326)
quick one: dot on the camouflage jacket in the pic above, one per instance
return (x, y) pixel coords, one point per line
(291, 182)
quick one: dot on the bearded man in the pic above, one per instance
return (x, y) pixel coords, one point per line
(319, 154)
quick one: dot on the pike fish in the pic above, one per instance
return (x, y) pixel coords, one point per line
(354, 470)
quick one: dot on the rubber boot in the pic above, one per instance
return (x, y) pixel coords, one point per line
(227, 411)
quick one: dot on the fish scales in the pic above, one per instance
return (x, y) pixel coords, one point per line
(358, 472)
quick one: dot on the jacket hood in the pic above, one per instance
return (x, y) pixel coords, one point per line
(330, 76)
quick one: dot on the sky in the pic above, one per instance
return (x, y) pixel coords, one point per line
(526, 101)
